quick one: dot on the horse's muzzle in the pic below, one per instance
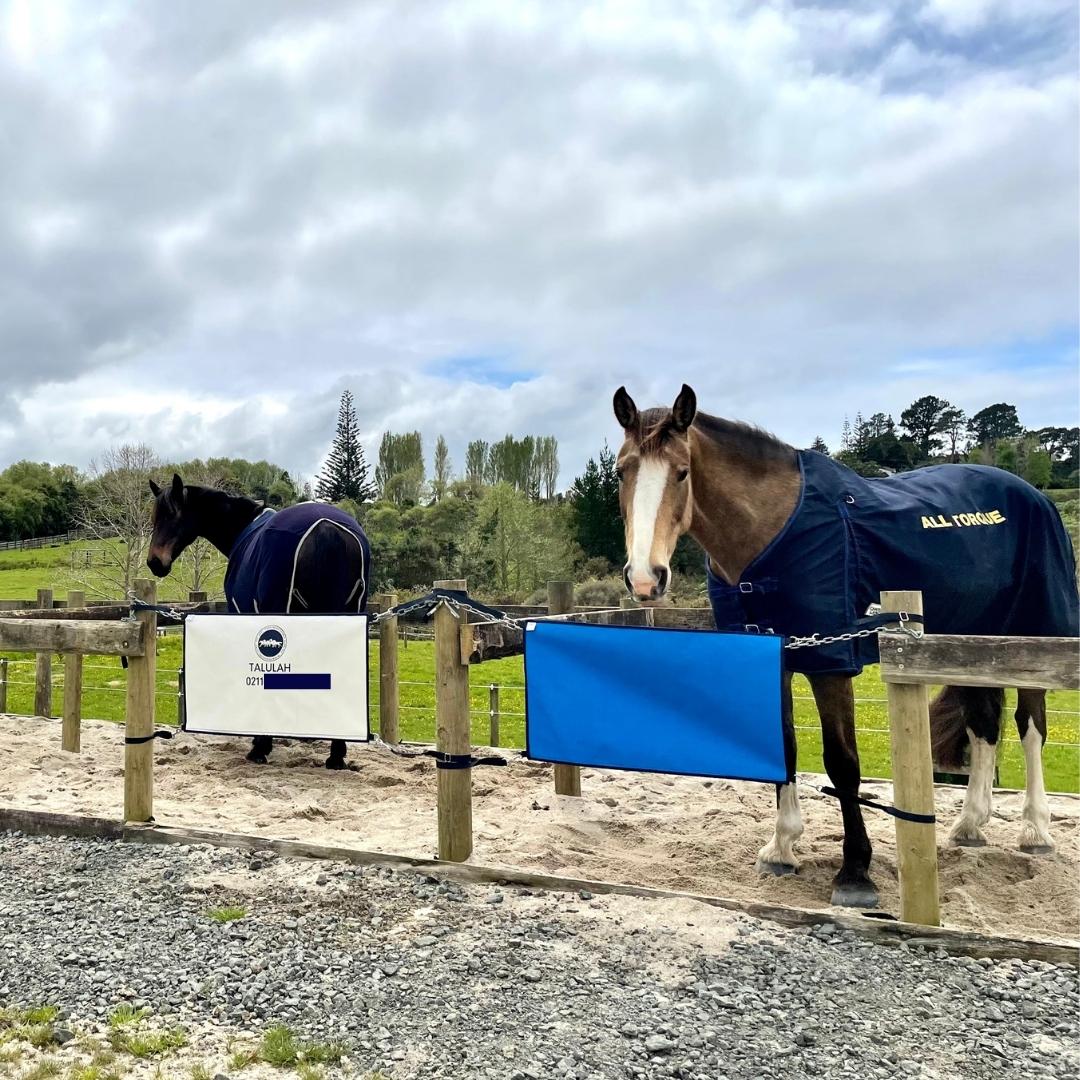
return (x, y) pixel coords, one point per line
(653, 588)
(158, 567)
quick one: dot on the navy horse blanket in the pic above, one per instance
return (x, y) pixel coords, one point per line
(261, 575)
(987, 550)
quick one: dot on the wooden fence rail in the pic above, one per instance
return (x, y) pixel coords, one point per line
(1035, 663)
(908, 665)
(131, 638)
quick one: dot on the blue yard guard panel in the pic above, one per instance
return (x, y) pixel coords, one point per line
(690, 702)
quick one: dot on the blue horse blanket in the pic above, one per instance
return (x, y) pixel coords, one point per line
(261, 575)
(988, 552)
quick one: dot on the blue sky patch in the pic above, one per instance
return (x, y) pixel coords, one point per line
(488, 370)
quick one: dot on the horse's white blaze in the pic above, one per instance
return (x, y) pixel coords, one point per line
(977, 798)
(649, 490)
(1035, 832)
(789, 827)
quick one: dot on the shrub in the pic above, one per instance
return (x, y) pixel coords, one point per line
(600, 592)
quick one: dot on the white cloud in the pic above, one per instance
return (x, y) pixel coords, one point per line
(213, 217)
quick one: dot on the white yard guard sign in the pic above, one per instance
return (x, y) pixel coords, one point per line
(304, 676)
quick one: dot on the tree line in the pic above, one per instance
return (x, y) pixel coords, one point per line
(931, 430)
(530, 465)
(501, 521)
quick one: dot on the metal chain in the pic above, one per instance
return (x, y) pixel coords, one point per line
(458, 605)
(810, 642)
(814, 639)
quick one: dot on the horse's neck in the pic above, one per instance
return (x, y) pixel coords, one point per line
(739, 506)
(226, 519)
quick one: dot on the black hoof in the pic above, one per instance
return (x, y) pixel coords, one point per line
(1037, 849)
(335, 763)
(857, 894)
(776, 869)
(257, 759)
(969, 841)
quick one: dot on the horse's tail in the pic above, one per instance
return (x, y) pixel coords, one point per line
(958, 708)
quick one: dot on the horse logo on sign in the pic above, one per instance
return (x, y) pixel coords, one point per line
(270, 643)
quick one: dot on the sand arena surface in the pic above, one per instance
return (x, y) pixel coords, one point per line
(671, 832)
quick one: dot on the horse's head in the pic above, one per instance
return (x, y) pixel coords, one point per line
(654, 488)
(174, 526)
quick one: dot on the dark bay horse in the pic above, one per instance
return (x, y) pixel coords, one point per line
(797, 544)
(307, 558)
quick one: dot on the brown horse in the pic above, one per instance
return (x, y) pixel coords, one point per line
(734, 489)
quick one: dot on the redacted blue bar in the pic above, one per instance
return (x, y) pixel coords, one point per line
(288, 681)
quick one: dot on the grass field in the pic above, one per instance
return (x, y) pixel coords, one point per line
(63, 567)
(104, 682)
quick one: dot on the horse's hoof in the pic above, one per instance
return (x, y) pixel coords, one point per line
(1037, 849)
(257, 759)
(968, 841)
(775, 869)
(335, 763)
(858, 894)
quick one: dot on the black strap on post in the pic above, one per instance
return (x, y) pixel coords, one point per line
(149, 738)
(889, 618)
(461, 761)
(904, 815)
(446, 761)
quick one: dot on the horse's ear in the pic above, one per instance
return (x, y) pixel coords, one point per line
(684, 410)
(156, 491)
(625, 409)
(177, 486)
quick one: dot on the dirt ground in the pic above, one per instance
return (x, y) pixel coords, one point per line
(671, 832)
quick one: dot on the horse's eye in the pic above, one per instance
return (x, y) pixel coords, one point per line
(620, 474)
(682, 474)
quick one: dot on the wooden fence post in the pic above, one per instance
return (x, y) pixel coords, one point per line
(43, 670)
(3, 685)
(452, 731)
(388, 673)
(913, 786)
(561, 602)
(71, 738)
(139, 757)
(196, 596)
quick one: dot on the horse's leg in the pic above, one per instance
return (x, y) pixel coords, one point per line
(1031, 724)
(981, 714)
(261, 745)
(778, 855)
(328, 579)
(336, 760)
(835, 700)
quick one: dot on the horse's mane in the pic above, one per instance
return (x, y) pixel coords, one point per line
(219, 495)
(747, 441)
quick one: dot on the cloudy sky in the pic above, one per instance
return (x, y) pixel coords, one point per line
(484, 216)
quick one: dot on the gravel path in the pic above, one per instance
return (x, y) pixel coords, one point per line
(419, 978)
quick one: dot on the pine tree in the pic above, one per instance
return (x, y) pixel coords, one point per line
(345, 474)
(594, 499)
